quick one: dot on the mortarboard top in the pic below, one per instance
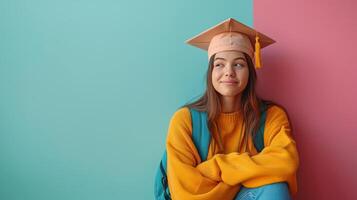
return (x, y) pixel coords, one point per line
(231, 35)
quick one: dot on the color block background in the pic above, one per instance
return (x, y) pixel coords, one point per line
(312, 72)
(87, 89)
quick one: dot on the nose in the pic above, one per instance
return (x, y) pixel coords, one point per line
(229, 71)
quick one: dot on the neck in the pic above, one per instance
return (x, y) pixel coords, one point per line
(230, 104)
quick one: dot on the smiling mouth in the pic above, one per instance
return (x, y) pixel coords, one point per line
(229, 82)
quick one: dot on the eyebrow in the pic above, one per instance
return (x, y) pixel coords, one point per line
(233, 59)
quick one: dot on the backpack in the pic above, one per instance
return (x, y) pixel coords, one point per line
(201, 138)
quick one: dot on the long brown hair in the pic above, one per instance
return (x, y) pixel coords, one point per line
(250, 103)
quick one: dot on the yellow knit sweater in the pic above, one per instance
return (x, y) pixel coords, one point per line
(221, 176)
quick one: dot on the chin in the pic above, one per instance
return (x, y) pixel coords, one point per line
(229, 94)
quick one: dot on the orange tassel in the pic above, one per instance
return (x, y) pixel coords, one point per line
(258, 59)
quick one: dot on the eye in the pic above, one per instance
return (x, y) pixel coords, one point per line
(218, 65)
(239, 65)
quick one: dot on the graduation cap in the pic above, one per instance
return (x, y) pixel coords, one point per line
(232, 35)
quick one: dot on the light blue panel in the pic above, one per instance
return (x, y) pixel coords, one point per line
(87, 89)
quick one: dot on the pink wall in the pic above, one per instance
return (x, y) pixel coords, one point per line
(312, 72)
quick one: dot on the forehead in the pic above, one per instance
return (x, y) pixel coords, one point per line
(229, 55)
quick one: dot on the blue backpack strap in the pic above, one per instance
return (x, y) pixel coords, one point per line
(161, 189)
(259, 136)
(201, 138)
(200, 132)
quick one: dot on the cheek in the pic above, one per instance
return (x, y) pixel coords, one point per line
(215, 77)
(244, 76)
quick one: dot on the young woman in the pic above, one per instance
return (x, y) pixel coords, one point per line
(234, 169)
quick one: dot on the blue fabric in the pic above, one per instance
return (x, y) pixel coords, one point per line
(161, 190)
(200, 133)
(274, 191)
(259, 136)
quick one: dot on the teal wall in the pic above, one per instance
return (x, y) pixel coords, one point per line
(87, 89)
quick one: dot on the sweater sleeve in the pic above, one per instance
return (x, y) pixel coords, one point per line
(277, 162)
(184, 179)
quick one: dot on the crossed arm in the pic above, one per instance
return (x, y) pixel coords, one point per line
(220, 176)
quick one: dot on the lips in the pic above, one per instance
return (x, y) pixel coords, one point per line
(231, 82)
